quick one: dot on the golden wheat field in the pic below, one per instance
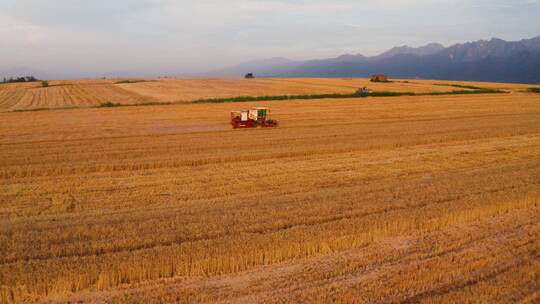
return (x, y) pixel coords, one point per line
(91, 93)
(418, 199)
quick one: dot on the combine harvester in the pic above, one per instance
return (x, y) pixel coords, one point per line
(252, 118)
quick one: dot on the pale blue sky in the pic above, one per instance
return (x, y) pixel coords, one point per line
(68, 38)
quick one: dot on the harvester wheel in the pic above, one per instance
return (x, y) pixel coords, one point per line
(271, 124)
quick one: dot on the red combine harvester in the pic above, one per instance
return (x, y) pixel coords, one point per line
(252, 118)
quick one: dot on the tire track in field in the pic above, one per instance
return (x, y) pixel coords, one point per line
(269, 283)
(478, 277)
(416, 255)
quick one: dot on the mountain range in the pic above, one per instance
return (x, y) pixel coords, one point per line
(483, 60)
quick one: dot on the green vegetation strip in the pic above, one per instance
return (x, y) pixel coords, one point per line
(534, 90)
(354, 95)
(109, 104)
(130, 81)
(45, 109)
(459, 86)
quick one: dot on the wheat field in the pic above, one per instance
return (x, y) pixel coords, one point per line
(420, 199)
(92, 93)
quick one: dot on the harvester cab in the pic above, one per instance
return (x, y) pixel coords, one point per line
(252, 118)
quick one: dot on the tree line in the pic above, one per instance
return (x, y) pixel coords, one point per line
(19, 79)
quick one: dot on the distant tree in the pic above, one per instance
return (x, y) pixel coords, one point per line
(249, 76)
(44, 84)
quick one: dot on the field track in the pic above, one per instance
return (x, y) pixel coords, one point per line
(91, 93)
(430, 199)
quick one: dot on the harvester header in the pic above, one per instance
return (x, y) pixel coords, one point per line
(252, 118)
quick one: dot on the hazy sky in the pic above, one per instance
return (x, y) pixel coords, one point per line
(72, 38)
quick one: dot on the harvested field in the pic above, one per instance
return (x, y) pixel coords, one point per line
(88, 93)
(193, 89)
(64, 94)
(402, 199)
